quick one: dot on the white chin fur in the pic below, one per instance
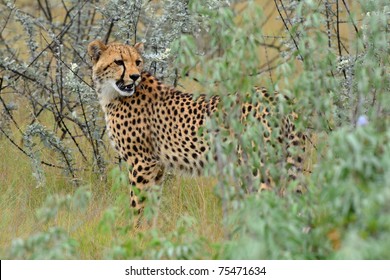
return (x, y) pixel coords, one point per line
(123, 93)
(109, 92)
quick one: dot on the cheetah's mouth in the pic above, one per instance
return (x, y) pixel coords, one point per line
(128, 89)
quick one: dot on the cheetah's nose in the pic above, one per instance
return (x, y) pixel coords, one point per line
(134, 77)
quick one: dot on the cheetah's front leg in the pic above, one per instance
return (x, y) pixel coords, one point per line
(143, 175)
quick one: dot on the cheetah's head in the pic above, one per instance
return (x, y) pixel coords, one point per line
(116, 68)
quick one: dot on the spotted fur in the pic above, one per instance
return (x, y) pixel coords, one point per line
(154, 126)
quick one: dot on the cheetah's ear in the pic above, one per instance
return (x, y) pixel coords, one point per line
(95, 49)
(139, 47)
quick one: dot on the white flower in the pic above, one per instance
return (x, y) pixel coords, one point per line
(362, 121)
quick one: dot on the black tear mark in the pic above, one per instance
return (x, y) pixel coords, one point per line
(124, 69)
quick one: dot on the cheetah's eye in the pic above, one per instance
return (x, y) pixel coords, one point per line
(119, 62)
(138, 62)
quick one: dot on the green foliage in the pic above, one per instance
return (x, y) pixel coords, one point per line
(342, 94)
(231, 63)
(353, 192)
(55, 242)
(345, 214)
(119, 222)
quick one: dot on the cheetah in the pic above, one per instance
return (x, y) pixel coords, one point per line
(153, 126)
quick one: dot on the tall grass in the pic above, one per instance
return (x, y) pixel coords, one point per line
(22, 202)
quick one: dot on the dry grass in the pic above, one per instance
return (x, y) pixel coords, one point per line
(20, 199)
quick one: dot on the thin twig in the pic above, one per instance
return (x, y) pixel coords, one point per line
(288, 29)
(338, 35)
(25, 153)
(350, 16)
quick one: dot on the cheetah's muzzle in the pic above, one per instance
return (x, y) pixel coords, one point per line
(126, 88)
